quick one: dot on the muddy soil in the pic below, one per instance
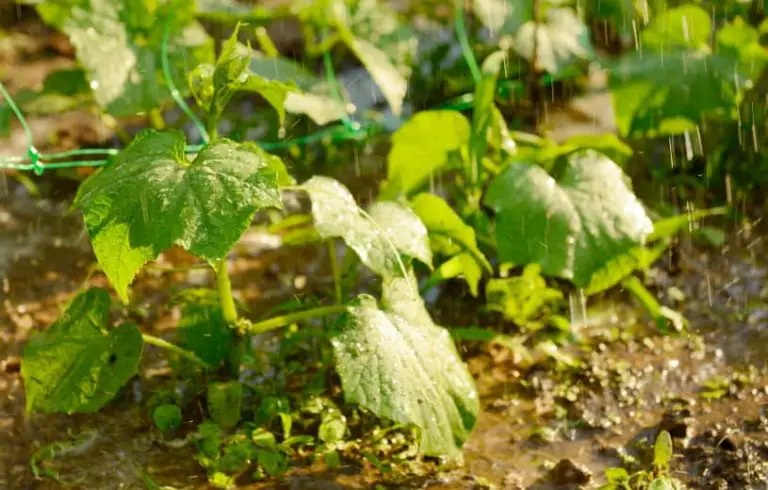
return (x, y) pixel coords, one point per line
(556, 424)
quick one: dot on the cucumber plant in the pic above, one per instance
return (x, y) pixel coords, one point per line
(393, 361)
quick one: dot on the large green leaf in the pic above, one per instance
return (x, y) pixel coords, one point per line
(421, 147)
(559, 42)
(377, 238)
(119, 43)
(451, 237)
(571, 226)
(686, 26)
(404, 228)
(671, 92)
(398, 364)
(78, 365)
(152, 197)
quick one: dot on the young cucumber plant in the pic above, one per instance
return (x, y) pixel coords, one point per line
(392, 359)
(569, 208)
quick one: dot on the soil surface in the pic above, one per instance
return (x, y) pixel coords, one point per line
(558, 423)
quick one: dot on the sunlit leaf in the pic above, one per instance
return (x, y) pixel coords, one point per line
(652, 88)
(404, 228)
(398, 364)
(152, 197)
(336, 214)
(392, 84)
(503, 16)
(420, 148)
(686, 26)
(78, 364)
(571, 226)
(450, 236)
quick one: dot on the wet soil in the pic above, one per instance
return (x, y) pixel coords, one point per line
(550, 425)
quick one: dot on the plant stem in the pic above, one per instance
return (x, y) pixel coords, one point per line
(224, 287)
(164, 344)
(156, 119)
(229, 312)
(338, 294)
(285, 320)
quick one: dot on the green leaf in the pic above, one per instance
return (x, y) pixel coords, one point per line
(616, 475)
(740, 42)
(483, 111)
(560, 41)
(383, 42)
(451, 237)
(661, 483)
(315, 101)
(118, 44)
(78, 365)
(214, 85)
(152, 197)
(618, 268)
(525, 300)
(654, 93)
(336, 214)
(333, 426)
(420, 148)
(167, 417)
(202, 330)
(571, 226)
(225, 403)
(608, 144)
(404, 228)
(663, 450)
(687, 26)
(391, 82)
(399, 365)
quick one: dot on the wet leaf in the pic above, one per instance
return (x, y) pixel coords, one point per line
(618, 268)
(686, 26)
(560, 41)
(78, 365)
(616, 475)
(214, 85)
(118, 44)
(392, 84)
(451, 237)
(336, 214)
(315, 99)
(571, 226)
(151, 198)
(398, 364)
(669, 93)
(663, 450)
(740, 42)
(420, 148)
(404, 228)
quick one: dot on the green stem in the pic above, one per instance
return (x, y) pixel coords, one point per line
(164, 344)
(156, 119)
(338, 294)
(224, 287)
(290, 318)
